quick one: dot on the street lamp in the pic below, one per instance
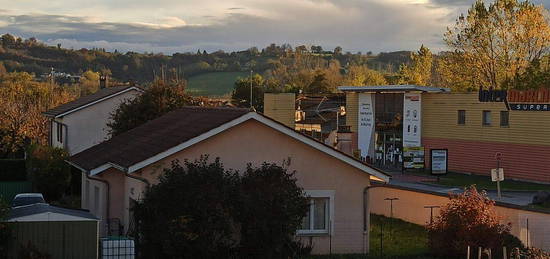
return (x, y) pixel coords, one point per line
(391, 212)
(432, 211)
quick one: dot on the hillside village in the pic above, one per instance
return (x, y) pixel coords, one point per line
(282, 152)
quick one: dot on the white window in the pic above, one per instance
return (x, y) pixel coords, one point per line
(321, 212)
(59, 132)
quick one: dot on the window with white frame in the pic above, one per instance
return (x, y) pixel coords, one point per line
(320, 213)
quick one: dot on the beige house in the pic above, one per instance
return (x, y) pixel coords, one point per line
(338, 220)
(82, 123)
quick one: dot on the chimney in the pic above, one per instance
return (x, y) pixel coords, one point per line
(103, 82)
(344, 139)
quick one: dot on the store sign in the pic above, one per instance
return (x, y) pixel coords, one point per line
(412, 120)
(366, 123)
(413, 157)
(519, 100)
(439, 161)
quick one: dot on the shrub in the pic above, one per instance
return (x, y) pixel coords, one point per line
(189, 213)
(271, 211)
(201, 210)
(48, 171)
(468, 219)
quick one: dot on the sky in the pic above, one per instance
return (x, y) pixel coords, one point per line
(170, 26)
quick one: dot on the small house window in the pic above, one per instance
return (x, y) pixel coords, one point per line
(486, 118)
(59, 132)
(504, 119)
(461, 120)
(317, 219)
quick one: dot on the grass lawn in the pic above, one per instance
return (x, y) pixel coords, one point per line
(407, 241)
(484, 182)
(213, 84)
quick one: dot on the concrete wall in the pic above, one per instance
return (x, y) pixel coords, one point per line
(280, 107)
(410, 207)
(88, 127)
(255, 142)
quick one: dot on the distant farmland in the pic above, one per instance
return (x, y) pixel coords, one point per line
(214, 83)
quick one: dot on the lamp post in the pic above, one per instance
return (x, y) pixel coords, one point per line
(391, 212)
(432, 211)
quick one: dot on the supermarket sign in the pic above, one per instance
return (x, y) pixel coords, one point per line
(519, 100)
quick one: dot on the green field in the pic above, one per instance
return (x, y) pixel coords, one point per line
(214, 84)
(406, 240)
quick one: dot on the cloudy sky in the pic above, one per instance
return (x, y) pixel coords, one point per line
(170, 26)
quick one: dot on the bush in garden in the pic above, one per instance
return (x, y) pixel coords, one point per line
(48, 171)
(529, 253)
(189, 213)
(272, 208)
(469, 219)
(201, 210)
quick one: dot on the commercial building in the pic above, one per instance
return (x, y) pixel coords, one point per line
(398, 126)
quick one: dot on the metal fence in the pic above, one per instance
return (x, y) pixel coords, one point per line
(8, 190)
(57, 239)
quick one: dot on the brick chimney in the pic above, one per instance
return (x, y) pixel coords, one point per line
(103, 82)
(344, 139)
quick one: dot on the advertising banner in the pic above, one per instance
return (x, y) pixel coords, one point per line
(412, 120)
(439, 161)
(413, 157)
(366, 124)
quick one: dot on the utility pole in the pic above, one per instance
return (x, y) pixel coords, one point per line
(250, 88)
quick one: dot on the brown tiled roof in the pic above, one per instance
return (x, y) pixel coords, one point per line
(155, 136)
(102, 93)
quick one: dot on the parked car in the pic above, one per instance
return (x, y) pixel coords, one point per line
(24, 199)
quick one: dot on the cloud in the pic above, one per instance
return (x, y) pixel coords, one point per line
(355, 25)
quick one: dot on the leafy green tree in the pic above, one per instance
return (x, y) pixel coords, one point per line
(419, 72)
(362, 75)
(158, 99)
(536, 75)
(241, 93)
(8, 40)
(493, 43)
(22, 101)
(190, 212)
(89, 82)
(469, 219)
(271, 211)
(320, 84)
(48, 171)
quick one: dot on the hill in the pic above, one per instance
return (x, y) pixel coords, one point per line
(30, 55)
(214, 84)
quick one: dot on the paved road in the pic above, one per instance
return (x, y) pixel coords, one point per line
(521, 198)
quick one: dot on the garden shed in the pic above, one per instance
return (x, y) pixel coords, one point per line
(55, 231)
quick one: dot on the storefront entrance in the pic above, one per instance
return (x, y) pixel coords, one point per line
(389, 147)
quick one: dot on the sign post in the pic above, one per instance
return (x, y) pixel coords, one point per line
(439, 161)
(497, 174)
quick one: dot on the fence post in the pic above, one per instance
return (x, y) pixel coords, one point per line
(468, 254)
(479, 252)
(504, 254)
(490, 254)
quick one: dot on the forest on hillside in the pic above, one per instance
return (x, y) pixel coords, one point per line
(33, 56)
